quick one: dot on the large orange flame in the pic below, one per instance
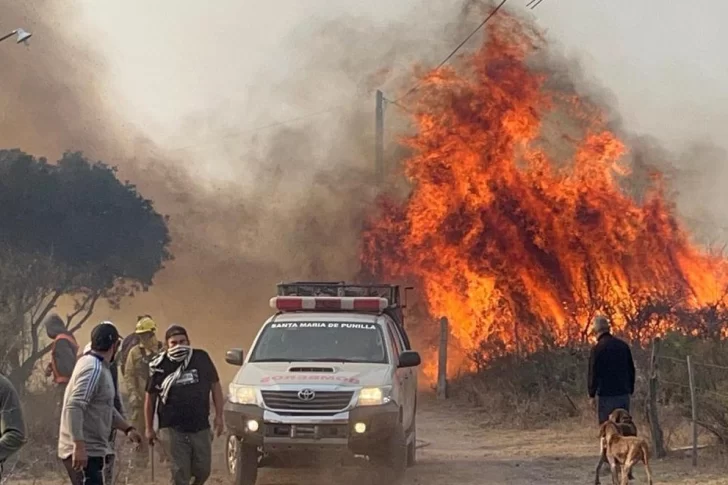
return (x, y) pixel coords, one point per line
(514, 246)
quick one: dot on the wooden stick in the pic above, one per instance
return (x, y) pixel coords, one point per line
(693, 403)
(658, 441)
(442, 363)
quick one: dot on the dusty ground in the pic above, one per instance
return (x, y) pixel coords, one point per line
(460, 451)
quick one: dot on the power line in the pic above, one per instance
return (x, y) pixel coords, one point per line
(396, 102)
(454, 51)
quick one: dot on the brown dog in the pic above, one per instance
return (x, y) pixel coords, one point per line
(624, 452)
(626, 427)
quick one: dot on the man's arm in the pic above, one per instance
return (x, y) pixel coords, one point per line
(118, 405)
(217, 398)
(631, 372)
(64, 355)
(150, 400)
(81, 390)
(12, 424)
(118, 421)
(592, 377)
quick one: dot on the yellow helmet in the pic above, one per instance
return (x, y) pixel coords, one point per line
(145, 324)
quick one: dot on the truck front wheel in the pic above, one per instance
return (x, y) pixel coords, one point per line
(246, 464)
(391, 462)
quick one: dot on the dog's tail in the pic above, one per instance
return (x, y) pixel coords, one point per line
(645, 448)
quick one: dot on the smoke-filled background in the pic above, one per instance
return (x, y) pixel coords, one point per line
(176, 93)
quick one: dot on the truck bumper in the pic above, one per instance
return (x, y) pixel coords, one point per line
(278, 433)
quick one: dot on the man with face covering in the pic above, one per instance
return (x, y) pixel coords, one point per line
(88, 415)
(180, 384)
(136, 375)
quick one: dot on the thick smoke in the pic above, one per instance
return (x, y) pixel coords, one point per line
(312, 182)
(297, 194)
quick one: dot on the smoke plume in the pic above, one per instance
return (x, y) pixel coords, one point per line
(297, 194)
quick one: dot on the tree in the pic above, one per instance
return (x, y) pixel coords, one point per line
(68, 230)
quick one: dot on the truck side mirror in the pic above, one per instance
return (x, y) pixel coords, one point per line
(235, 357)
(409, 358)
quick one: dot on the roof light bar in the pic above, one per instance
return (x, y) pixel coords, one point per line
(328, 303)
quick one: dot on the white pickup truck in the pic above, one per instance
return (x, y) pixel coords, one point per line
(327, 378)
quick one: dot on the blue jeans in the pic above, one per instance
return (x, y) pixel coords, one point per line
(607, 404)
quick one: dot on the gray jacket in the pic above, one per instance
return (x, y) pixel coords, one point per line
(88, 412)
(12, 424)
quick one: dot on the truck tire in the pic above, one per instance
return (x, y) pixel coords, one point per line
(391, 462)
(246, 465)
(412, 447)
(232, 444)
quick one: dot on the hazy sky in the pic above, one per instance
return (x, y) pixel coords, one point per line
(171, 60)
(188, 72)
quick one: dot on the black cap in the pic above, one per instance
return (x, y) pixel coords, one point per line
(175, 330)
(104, 336)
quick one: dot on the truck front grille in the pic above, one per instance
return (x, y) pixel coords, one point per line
(322, 400)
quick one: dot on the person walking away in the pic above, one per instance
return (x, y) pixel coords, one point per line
(136, 375)
(611, 371)
(12, 423)
(63, 355)
(179, 388)
(111, 459)
(88, 414)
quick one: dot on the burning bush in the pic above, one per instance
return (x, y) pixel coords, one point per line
(518, 244)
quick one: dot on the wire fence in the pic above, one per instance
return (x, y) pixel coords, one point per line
(688, 384)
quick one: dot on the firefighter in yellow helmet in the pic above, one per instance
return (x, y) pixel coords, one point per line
(136, 374)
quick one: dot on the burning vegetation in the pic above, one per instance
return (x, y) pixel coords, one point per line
(519, 244)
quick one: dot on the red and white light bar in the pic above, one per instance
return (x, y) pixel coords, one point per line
(328, 303)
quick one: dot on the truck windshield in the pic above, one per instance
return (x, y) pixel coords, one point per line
(320, 342)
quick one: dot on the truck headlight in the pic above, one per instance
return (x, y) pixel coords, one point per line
(374, 396)
(242, 394)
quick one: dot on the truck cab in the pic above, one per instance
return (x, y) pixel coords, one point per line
(329, 377)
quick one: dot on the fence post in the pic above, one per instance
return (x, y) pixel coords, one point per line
(442, 364)
(658, 442)
(693, 404)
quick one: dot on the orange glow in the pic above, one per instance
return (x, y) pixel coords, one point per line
(515, 246)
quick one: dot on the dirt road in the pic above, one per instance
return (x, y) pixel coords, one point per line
(460, 451)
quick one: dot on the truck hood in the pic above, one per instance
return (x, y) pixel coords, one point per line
(339, 374)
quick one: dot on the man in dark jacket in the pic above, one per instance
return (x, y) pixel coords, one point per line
(63, 358)
(63, 351)
(611, 371)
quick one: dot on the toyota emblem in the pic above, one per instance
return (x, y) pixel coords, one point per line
(306, 395)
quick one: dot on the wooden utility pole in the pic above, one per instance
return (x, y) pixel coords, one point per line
(693, 404)
(379, 138)
(658, 442)
(442, 364)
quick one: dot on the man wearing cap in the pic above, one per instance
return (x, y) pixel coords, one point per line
(88, 415)
(136, 376)
(180, 384)
(611, 371)
(111, 459)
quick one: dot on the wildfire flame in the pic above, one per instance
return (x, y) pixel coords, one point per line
(512, 245)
